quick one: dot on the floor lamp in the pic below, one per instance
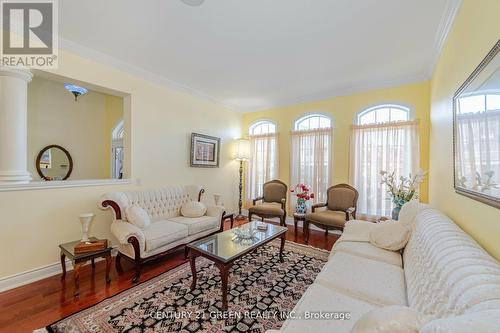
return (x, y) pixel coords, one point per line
(242, 155)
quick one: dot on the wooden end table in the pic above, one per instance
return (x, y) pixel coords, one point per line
(299, 217)
(68, 250)
(224, 250)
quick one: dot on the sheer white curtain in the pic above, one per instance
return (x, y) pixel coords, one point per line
(390, 147)
(478, 138)
(263, 163)
(310, 161)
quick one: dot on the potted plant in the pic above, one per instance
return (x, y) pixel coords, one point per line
(403, 191)
(301, 191)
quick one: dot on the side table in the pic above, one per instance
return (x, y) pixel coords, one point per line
(299, 217)
(68, 250)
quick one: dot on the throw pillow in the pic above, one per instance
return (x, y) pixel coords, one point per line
(390, 319)
(193, 209)
(138, 216)
(391, 235)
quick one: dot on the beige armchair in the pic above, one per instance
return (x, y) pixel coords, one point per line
(340, 206)
(273, 202)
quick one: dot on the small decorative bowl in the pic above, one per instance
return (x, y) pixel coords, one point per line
(244, 235)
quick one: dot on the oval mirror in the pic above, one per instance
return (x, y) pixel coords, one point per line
(54, 163)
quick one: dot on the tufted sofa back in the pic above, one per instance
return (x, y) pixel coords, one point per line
(447, 272)
(161, 203)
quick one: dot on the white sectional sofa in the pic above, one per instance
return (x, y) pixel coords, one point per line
(168, 230)
(442, 273)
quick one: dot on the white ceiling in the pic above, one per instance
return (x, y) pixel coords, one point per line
(256, 54)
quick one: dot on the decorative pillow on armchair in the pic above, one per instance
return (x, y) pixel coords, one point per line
(391, 235)
(390, 319)
(193, 209)
(138, 216)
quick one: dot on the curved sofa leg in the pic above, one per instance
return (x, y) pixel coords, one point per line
(250, 217)
(138, 262)
(118, 265)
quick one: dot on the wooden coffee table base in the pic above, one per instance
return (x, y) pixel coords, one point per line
(224, 267)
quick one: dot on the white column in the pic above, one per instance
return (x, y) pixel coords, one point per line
(13, 125)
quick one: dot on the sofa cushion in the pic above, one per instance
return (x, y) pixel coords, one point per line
(480, 322)
(369, 251)
(271, 208)
(328, 217)
(196, 224)
(320, 299)
(193, 209)
(161, 233)
(138, 216)
(372, 281)
(390, 319)
(391, 235)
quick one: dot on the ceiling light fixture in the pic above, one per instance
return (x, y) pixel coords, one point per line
(193, 3)
(75, 90)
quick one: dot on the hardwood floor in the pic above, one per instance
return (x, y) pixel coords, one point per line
(43, 302)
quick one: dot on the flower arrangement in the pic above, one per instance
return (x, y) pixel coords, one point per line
(301, 191)
(404, 190)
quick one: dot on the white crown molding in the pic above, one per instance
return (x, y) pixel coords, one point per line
(359, 87)
(451, 10)
(126, 67)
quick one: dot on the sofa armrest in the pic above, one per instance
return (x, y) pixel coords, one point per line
(123, 231)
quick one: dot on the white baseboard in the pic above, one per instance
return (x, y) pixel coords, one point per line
(32, 275)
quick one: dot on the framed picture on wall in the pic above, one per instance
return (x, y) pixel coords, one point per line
(205, 151)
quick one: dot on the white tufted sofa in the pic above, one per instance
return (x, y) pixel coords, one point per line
(168, 229)
(446, 275)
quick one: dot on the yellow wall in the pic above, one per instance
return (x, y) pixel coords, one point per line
(83, 128)
(160, 121)
(475, 30)
(343, 111)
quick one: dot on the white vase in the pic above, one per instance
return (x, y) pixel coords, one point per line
(86, 220)
(217, 198)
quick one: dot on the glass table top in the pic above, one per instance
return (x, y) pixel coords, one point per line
(225, 246)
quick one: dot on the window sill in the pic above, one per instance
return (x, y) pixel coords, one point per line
(41, 185)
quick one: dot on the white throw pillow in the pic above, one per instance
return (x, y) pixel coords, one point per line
(138, 216)
(193, 209)
(391, 235)
(390, 319)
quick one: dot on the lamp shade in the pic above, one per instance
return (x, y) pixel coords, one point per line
(242, 150)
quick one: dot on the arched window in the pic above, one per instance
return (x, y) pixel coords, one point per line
(117, 150)
(263, 164)
(383, 114)
(311, 154)
(262, 127)
(312, 121)
(383, 139)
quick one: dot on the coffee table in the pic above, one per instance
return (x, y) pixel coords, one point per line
(224, 250)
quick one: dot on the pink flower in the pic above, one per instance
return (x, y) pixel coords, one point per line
(312, 195)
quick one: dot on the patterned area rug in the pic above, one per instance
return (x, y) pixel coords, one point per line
(262, 291)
